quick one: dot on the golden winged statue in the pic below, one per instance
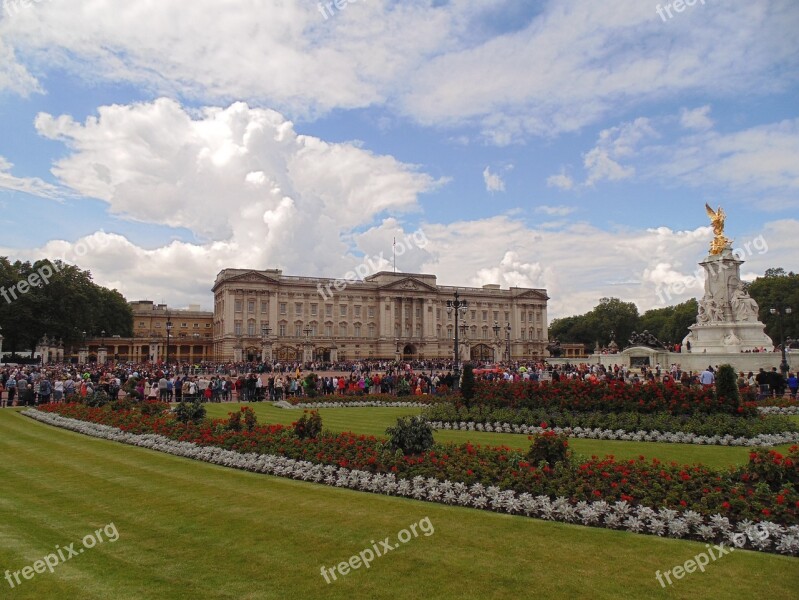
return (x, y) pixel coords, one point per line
(717, 221)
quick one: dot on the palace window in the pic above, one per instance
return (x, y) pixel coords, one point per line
(238, 305)
(357, 312)
(264, 307)
(298, 309)
(250, 306)
(282, 308)
(251, 327)
(237, 328)
(314, 308)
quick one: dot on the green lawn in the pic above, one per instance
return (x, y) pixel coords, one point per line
(193, 530)
(375, 420)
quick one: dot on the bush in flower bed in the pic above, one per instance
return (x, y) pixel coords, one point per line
(765, 488)
(308, 426)
(549, 448)
(609, 396)
(707, 425)
(386, 398)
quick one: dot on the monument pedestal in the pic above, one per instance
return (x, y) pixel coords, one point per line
(727, 321)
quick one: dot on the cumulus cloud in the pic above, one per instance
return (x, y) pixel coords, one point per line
(561, 180)
(493, 181)
(697, 118)
(254, 192)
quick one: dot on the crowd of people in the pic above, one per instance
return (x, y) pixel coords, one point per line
(252, 382)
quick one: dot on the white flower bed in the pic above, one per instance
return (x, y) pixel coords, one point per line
(351, 404)
(620, 515)
(779, 410)
(620, 434)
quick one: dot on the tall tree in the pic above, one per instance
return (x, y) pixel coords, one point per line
(777, 289)
(62, 304)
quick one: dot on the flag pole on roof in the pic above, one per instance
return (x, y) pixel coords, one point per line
(394, 252)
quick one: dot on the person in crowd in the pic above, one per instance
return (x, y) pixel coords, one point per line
(793, 385)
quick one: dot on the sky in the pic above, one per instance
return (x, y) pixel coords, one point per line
(568, 145)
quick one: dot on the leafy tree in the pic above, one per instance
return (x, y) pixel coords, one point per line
(777, 289)
(670, 324)
(68, 304)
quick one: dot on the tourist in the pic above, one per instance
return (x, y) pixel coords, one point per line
(11, 386)
(58, 390)
(707, 378)
(793, 384)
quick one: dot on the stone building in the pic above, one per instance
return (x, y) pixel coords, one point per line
(268, 315)
(190, 337)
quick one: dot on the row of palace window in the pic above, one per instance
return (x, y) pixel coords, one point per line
(343, 330)
(157, 325)
(526, 316)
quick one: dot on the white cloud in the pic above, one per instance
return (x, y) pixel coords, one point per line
(555, 211)
(697, 119)
(28, 185)
(241, 179)
(561, 181)
(567, 66)
(614, 144)
(493, 181)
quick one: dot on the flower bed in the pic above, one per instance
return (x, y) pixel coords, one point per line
(364, 400)
(717, 426)
(578, 395)
(764, 440)
(350, 404)
(767, 471)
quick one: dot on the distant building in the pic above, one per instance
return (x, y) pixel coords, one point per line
(190, 339)
(265, 314)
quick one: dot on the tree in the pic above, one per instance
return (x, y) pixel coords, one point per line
(65, 303)
(670, 324)
(777, 289)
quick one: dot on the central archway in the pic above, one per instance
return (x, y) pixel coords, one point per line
(409, 352)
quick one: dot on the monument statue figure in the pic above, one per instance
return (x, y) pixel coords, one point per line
(727, 317)
(717, 219)
(744, 307)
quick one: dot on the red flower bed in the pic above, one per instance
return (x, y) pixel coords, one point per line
(767, 486)
(611, 396)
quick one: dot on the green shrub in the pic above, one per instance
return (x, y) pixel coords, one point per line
(152, 407)
(403, 388)
(467, 385)
(190, 412)
(309, 425)
(250, 419)
(234, 421)
(122, 404)
(97, 399)
(550, 448)
(411, 435)
(727, 387)
(309, 385)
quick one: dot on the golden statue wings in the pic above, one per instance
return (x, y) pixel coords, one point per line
(717, 221)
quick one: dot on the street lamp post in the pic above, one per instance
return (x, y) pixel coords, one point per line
(496, 329)
(308, 354)
(459, 306)
(265, 331)
(168, 332)
(779, 311)
(507, 342)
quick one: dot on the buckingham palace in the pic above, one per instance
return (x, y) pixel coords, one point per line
(274, 317)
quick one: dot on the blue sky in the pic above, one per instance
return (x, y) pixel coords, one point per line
(566, 145)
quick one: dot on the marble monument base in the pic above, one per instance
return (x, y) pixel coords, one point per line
(727, 338)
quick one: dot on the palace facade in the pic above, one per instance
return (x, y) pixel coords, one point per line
(274, 317)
